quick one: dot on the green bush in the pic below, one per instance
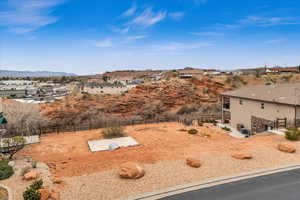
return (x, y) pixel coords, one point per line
(193, 131)
(113, 132)
(31, 193)
(292, 134)
(226, 129)
(36, 185)
(6, 171)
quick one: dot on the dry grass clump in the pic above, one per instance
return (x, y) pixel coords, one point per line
(113, 132)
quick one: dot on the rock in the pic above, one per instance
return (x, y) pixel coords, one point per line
(288, 148)
(30, 176)
(193, 162)
(55, 196)
(45, 194)
(12, 163)
(242, 156)
(56, 180)
(131, 170)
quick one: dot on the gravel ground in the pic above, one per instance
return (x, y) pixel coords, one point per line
(107, 185)
(17, 185)
(163, 149)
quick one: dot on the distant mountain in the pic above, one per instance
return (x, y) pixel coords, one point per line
(11, 73)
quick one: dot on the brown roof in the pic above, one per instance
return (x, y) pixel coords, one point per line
(282, 93)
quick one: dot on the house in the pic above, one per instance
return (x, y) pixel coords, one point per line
(260, 108)
(189, 72)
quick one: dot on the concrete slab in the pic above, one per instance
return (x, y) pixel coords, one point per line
(103, 145)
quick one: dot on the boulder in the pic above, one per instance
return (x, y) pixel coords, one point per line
(193, 162)
(288, 148)
(131, 170)
(30, 176)
(56, 180)
(45, 194)
(55, 196)
(12, 163)
(242, 156)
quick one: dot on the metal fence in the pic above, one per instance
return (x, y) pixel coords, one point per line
(72, 127)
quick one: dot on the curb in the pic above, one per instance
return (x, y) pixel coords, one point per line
(210, 182)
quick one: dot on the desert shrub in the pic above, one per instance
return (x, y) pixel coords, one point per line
(192, 131)
(24, 170)
(33, 163)
(6, 171)
(226, 129)
(13, 145)
(292, 134)
(113, 132)
(31, 193)
(186, 110)
(36, 185)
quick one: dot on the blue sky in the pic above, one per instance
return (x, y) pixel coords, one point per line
(94, 36)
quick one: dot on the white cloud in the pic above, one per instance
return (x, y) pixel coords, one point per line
(104, 43)
(176, 15)
(259, 21)
(131, 11)
(148, 18)
(208, 33)
(23, 16)
(122, 30)
(267, 21)
(178, 46)
(135, 37)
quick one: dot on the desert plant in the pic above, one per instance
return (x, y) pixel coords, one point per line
(25, 170)
(292, 134)
(6, 170)
(31, 193)
(36, 185)
(113, 132)
(12, 145)
(192, 131)
(33, 163)
(226, 129)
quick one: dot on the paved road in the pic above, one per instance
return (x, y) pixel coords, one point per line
(279, 186)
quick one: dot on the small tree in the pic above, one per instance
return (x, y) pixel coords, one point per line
(12, 145)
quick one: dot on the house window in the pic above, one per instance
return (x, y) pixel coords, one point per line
(262, 106)
(241, 102)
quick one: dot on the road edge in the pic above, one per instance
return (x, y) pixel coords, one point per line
(210, 182)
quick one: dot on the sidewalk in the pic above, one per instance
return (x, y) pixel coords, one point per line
(234, 133)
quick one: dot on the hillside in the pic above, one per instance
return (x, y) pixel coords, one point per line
(145, 101)
(12, 73)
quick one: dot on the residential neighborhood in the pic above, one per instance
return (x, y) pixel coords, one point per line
(149, 100)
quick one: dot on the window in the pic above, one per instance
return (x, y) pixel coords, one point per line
(262, 106)
(241, 102)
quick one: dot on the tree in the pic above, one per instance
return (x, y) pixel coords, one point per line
(12, 145)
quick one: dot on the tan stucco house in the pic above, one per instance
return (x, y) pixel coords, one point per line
(263, 107)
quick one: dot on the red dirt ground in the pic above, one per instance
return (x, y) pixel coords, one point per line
(68, 155)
